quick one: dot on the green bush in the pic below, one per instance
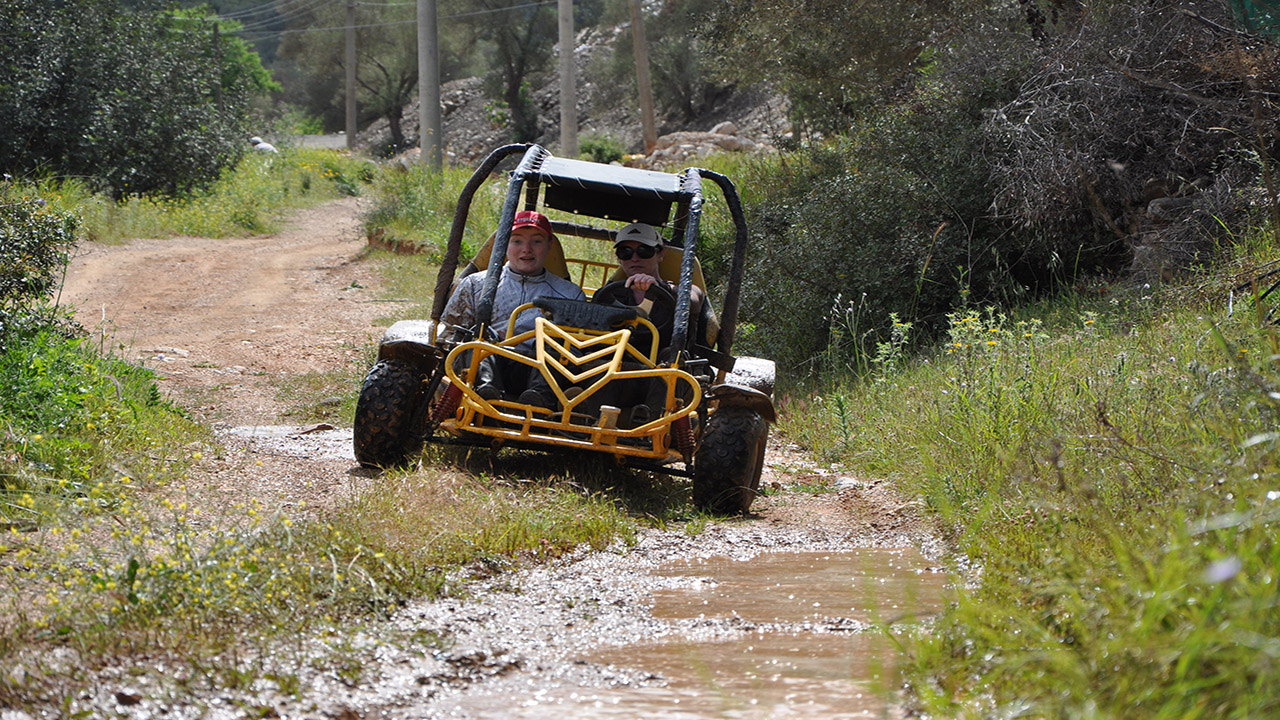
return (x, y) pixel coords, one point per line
(71, 415)
(890, 218)
(139, 101)
(34, 241)
(600, 148)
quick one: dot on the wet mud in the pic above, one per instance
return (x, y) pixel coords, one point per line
(780, 635)
(747, 619)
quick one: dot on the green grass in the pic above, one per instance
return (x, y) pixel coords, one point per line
(112, 546)
(250, 198)
(413, 210)
(1110, 464)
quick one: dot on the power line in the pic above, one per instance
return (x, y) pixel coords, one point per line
(299, 10)
(266, 8)
(262, 9)
(263, 34)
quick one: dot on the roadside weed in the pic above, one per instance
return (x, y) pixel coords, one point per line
(1111, 469)
(249, 198)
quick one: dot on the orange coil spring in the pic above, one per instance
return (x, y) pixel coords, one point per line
(447, 405)
(683, 433)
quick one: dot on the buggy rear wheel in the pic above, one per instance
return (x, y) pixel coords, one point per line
(728, 463)
(389, 401)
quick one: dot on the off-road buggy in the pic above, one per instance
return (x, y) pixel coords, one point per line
(714, 422)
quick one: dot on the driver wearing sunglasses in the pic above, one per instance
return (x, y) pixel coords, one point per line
(640, 250)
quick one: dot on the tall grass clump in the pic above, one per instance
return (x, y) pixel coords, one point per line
(414, 206)
(1109, 464)
(249, 198)
(233, 588)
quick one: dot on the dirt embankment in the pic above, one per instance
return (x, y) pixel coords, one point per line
(227, 322)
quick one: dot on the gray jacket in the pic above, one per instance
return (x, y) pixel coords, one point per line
(514, 290)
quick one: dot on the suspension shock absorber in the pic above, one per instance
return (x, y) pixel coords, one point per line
(683, 432)
(447, 405)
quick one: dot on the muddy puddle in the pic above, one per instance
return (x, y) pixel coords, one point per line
(782, 635)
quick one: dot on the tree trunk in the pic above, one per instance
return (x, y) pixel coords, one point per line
(397, 133)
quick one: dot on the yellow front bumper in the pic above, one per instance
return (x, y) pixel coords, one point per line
(572, 358)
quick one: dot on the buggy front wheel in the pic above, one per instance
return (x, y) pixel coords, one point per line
(383, 431)
(728, 462)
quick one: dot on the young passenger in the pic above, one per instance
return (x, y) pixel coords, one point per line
(524, 277)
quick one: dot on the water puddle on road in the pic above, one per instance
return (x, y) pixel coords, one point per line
(782, 635)
(869, 585)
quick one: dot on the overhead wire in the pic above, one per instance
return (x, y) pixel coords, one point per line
(262, 34)
(267, 8)
(300, 10)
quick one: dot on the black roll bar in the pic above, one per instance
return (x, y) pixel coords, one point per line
(449, 265)
(691, 182)
(529, 165)
(733, 296)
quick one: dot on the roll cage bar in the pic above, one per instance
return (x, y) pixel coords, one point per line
(602, 191)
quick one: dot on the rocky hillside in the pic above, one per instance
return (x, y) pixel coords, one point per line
(746, 120)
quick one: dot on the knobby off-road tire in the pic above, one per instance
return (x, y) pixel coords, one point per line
(383, 431)
(727, 465)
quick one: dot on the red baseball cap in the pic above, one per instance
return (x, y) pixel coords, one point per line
(529, 218)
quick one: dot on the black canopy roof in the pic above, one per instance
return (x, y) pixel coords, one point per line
(609, 191)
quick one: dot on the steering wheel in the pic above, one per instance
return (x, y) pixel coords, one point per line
(657, 292)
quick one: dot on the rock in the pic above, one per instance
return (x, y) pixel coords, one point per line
(473, 125)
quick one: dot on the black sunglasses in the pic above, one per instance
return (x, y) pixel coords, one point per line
(644, 251)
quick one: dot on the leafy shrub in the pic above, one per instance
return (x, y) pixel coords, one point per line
(139, 101)
(833, 59)
(1089, 141)
(600, 148)
(34, 241)
(891, 217)
(69, 410)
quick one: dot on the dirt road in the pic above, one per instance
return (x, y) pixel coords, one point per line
(763, 616)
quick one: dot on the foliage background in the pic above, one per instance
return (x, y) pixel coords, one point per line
(137, 102)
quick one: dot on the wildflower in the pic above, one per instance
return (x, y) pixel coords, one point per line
(1223, 570)
(992, 342)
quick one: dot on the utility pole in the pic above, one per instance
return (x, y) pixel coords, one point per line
(430, 126)
(351, 74)
(568, 89)
(647, 122)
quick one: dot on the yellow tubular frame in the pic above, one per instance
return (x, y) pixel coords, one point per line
(586, 358)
